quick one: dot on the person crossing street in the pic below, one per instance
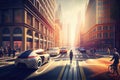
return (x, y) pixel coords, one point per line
(71, 56)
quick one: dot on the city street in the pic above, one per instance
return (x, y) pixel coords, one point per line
(83, 67)
(59, 39)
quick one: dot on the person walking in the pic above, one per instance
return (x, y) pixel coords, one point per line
(13, 52)
(9, 51)
(94, 52)
(5, 51)
(1, 53)
(71, 56)
(108, 51)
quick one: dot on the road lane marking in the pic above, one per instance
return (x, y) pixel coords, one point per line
(66, 72)
(75, 71)
(61, 73)
(36, 72)
(2, 65)
(70, 73)
(82, 73)
(46, 68)
(62, 55)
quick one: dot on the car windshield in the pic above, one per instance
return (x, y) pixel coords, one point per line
(63, 48)
(25, 54)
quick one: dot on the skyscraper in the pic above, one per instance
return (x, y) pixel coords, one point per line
(100, 27)
(27, 24)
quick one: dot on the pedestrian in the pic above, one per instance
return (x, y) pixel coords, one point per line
(71, 56)
(9, 51)
(94, 52)
(108, 51)
(1, 53)
(5, 51)
(13, 52)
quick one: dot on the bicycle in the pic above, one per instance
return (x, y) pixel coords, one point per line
(112, 69)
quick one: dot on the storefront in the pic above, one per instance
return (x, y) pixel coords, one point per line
(5, 37)
(29, 40)
(17, 39)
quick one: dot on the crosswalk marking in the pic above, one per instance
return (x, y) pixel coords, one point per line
(61, 73)
(72, 72)
(82, 72)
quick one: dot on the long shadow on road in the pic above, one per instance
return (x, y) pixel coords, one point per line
(50, 75)
(90, 75)
(12, 73)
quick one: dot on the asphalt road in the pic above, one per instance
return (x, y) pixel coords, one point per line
(83, 67)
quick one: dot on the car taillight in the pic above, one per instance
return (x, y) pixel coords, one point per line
(32, 56)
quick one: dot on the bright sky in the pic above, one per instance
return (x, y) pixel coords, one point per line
(70, 11)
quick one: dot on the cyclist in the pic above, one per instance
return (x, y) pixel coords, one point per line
(116, 60)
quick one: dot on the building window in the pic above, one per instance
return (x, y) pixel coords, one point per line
(7, 16)
(32, 1)
(41, 36)
(37, 4)
(43, 29)
(46, 30)
(36, 24)
(29, 32)
(99, 28)
(105, 35)
(29, 44)
(36, 35)
(111, 27)
(111, 35)
(6, 31)
(17, 31)
(99, 35)
(29, 19)
(105, 28)
(40, 27)
(18, 16)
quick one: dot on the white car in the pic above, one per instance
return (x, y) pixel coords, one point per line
(32, 59)
(82, 50)
(53, 51)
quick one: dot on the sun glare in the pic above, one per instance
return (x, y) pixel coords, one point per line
(71, 13)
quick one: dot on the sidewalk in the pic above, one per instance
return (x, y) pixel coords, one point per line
(5, 60)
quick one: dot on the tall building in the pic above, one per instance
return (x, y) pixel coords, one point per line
(27, 24)
(100, 27)
(78, 30)
(58, 27)
(115, 15)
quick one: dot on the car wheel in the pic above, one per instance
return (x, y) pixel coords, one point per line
(48, 59)
(39, 63)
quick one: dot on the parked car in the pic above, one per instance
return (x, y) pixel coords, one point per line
(63, 50)
(82, 50)
(32, 59)
(53, 51)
